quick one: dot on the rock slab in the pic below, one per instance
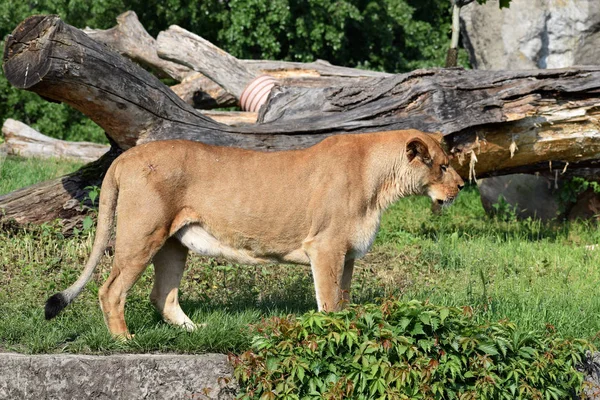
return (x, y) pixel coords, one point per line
(139, 376)
(532, 34)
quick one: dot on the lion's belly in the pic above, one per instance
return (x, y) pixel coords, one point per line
(198, 240)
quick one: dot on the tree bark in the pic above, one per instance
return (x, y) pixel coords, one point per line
(494, 122)
(130, 38)
(214, 62)
(200, 92)
(22, 140)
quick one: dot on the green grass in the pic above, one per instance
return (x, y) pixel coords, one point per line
(18, 172)
(541, 276)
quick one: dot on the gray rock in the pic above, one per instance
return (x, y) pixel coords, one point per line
(532, 34)
(591, 370)
(528, 195)
(64, 376)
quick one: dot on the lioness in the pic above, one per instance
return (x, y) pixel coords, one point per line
(318, 206)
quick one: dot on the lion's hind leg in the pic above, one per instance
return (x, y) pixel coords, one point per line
(169, 264)
(135, 246)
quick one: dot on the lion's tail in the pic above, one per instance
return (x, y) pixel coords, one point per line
(106, 214)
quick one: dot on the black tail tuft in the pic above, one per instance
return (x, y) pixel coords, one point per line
(55, 304)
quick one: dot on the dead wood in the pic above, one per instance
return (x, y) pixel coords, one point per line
(130, 38)
(22, 140)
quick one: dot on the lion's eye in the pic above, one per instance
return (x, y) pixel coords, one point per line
(444, 168)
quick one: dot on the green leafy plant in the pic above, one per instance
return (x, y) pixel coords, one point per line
(406, 350)
(90, 202)
(504, 211)
(93, 193)
(572, 188)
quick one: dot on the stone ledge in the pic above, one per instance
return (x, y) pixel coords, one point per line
(133, 376)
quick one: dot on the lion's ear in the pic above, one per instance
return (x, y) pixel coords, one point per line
(417, 148)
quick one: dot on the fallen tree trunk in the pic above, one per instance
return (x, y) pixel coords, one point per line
(236, 76)
(22, 140)
(130, 39)
(495, 122)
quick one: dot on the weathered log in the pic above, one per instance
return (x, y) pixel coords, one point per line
(232, 74)
(130, 38)
(200, 92)
(22, 140)
(184, 47)
(509, 121)
(232, 118)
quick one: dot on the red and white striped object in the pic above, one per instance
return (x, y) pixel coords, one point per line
(256, 93)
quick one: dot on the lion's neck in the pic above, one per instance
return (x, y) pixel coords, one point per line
(394, 182)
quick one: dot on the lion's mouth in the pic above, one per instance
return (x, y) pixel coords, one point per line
(445, 203)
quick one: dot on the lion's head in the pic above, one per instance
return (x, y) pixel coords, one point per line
(431, 165)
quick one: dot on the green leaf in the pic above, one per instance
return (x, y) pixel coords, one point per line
(417, 329)
(444, 312)
(88, 223)
(272, 363)
(488, 348)
(300, 373)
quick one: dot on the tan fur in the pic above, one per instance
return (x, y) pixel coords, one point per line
(319, 206)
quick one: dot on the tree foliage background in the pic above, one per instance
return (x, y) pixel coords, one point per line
(389, 35)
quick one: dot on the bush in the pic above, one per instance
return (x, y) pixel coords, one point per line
(406, 351)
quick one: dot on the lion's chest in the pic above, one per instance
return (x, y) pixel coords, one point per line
(364, 234)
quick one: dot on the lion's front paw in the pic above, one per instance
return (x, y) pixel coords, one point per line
(123, 337)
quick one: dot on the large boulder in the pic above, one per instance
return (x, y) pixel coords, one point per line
(532, 34)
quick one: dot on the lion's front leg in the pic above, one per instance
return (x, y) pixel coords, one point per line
(347, 281)
(328, 271)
